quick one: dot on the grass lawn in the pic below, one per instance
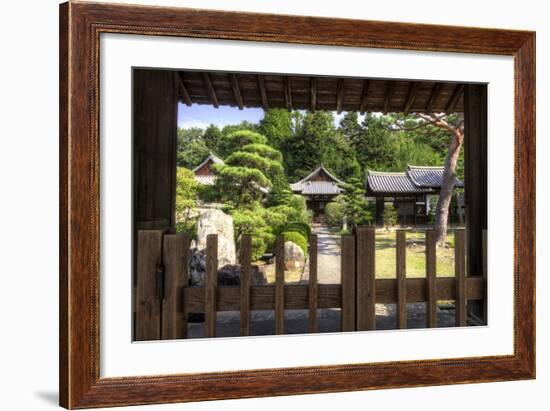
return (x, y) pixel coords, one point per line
(416, 257)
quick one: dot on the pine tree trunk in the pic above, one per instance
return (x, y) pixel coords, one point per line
(447, 186)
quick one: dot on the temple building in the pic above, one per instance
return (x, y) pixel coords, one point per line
(319, 188)
(204, 173)
(410, 193)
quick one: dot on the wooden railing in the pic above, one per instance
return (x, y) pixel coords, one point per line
(163, 298)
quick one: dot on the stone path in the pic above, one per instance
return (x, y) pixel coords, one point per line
(328, 256)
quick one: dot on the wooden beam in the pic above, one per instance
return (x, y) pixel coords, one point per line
(183, 90)
(387, 99)
(263, 92)
(313, 93)
(262, 297)
(364, 96)
(210, 89)
(411, 97)
(435, 92)
(288, 92)
(451, 105)
(340, 96)
(236, 90)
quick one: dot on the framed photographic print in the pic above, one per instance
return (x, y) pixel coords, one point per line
(258, 205)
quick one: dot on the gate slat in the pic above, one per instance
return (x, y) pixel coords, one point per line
(246, 260)
(148, 306)
(401, 274)
(312, 286)
(348, 282)
(365, 279)
(280, 285)
(460, 275)
(431, 301)
(210, 284)
(176, 263)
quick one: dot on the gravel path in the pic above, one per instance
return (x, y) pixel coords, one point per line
(328, 257)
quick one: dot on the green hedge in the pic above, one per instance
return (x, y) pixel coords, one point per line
(302, 228)
(297, 238)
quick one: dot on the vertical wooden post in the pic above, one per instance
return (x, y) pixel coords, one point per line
(210, 284)
(401, 275)
(176, 269)
(365, 303)
(312, 287)
(475, 180)
(485, 252)
(148, 305)
(348, 282)
(280, 285)
(246, 260)
(460, 277)
(431, 302)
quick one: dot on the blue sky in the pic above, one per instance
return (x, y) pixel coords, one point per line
(200, 115)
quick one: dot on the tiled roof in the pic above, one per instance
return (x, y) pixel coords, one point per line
(382, 182)
(305, 186)
(417, 179)
(428, 176)
(211, 157)
(320, 187)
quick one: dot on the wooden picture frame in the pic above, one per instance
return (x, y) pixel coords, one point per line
(80, 27)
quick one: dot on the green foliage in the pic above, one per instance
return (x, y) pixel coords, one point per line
(390, 215)
(251, 221)
(355, 206)
(191, 148)
(186, 195)
(334, 213)
(264, 151)
(212, 137)
(277, 126)
(237, 139)
(316, 141)
(239, 185)
(297, 238)
(300, 227)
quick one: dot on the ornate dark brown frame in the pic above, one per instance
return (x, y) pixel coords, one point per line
(80, 27)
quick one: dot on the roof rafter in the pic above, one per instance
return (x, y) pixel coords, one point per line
(210, 89)
(263, 92)
(454, 98)
(183, 90)
(410, 99)
(313, 93)
(364, 96)
(288, 92)
(387, 99)
(340, 95)
(236, 90)
(435, 92)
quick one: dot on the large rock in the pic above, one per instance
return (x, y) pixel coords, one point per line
(214, 221)
(294, 256)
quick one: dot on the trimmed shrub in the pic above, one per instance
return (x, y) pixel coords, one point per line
(297, 239)
(390, 215)
(300, 227)
(334, 213)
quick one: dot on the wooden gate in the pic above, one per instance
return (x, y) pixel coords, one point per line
(163, 298)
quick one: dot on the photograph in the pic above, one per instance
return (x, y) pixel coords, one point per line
(295, 204)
